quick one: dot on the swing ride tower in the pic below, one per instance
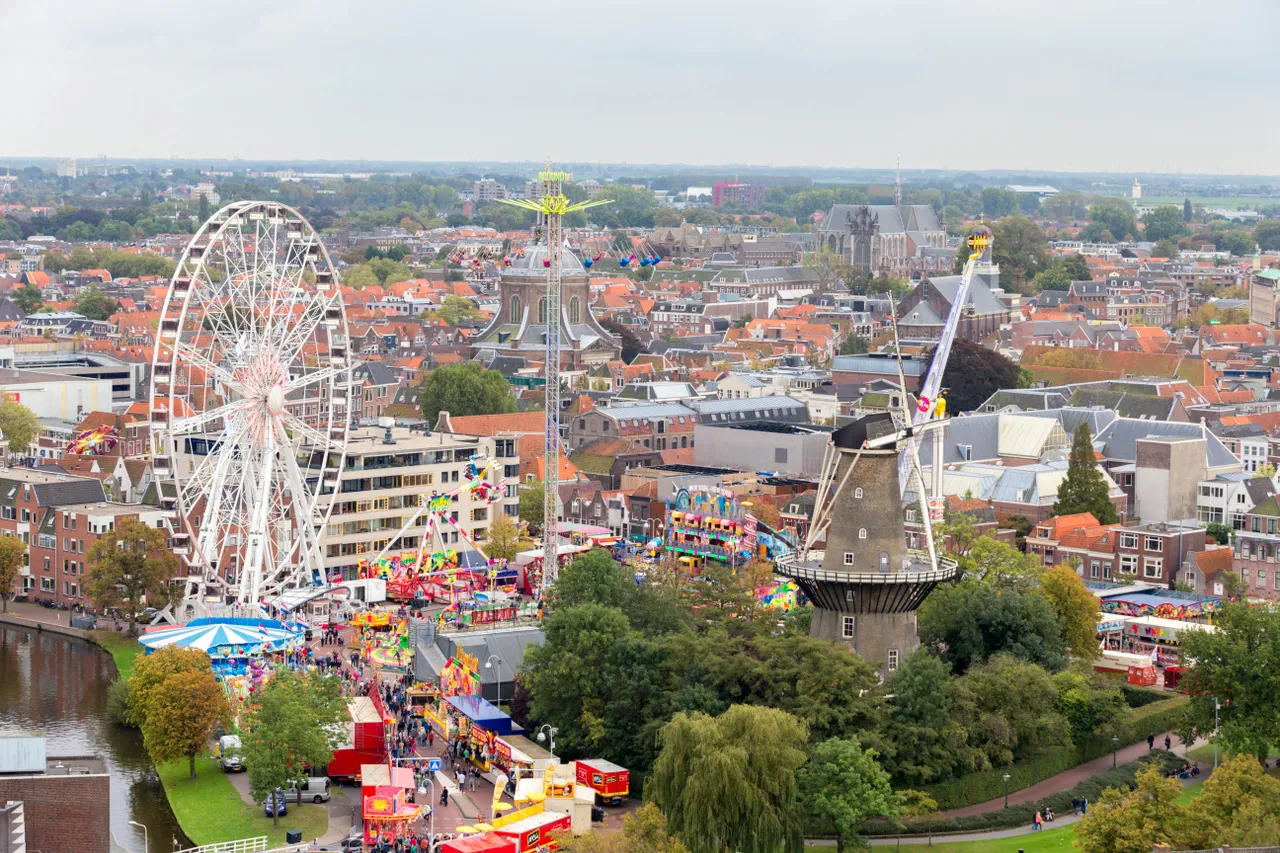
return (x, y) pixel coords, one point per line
(551, 208)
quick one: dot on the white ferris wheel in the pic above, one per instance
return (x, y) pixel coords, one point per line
(250, 401)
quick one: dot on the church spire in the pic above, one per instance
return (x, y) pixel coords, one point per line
(897, 184)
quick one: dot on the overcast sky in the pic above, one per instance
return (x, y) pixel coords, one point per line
(1115, 85)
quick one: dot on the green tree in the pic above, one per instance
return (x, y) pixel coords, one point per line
(388, 271)
(630, 207)
(1114, 217)
(28, 298)
(728, 783)
(998, 202)
(1236, 666)
(1133, 821)
(151, 671)
(183, 711)
(1090, 702)
(1238, 243)
(1053, 277)
(1076, 608)
(294, 724)
(1163, 223)
(1267, 235)
(973, 374)
(969, 622)
(1219, 531)
(130, 565)
(459, 311)
(10, 231)
(1239, 806)
(1077, 267)
(13, 556)
(1008, 707)
(466, 389)
(843, 785)
(854, 345)
(1165, 248)
(569, 677)
(992, 562)
(532, 504)
(1021, 249)
(645, 831)
(94, 304)
(926, 744)
(1186, 210)
(502, 541)
(592, 578)
(1085, 487)
(359, 276)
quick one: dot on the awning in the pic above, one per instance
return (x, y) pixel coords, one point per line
(483, 713)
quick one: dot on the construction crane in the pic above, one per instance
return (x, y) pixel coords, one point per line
(931, 405)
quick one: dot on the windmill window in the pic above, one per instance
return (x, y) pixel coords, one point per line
(848, 558)
(862, 533)
(857, 493)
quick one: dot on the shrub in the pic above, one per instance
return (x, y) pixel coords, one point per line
(1156, 718)
(118, 701)
(1139, 697)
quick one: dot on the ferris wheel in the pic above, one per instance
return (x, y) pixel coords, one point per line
(250, 401)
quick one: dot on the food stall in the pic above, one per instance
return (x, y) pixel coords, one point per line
(386, 814)
(486, 842)
(382, 775)
(610, 782)
(535, 831)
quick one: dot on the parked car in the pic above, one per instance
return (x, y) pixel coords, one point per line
(315, 789)
(275, 804)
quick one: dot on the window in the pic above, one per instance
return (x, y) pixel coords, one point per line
(517, 307)
(780, 454)
(862, 533)
(1153, 543)
(575, 311)
(46, 585)
(846, 628)
(857, 493)
(911, 515)
(1128, 540)
(893, 660)
(1095, 570)
(1106, 571)
(848, 559)
(1262, 579)
(542, 310)
(1128, 565)
(1153, 567)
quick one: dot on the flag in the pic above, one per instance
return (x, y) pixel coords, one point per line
(262, 629)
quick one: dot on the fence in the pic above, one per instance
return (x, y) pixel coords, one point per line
(240, 845)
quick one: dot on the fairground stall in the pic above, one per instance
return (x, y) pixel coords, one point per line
(528, 565)
(1159, 639)
(387, 814)
(1160, 603)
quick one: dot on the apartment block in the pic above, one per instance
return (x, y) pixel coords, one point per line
(390, 474)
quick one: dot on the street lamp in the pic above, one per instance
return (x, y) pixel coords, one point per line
(488, 664)
(1115, 745)
(1006, 790)
(146, 841)
(542, 737)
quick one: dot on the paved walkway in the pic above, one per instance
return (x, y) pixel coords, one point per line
(1065, 780)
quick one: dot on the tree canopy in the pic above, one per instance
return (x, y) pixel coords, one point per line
(130, 565)
(182, 713)
(969, 622)
(1085, 487)
(13, 556)
(18, 423)
(94, 304)
(843, 785)
(974, 373)
(727, 784)
(1076, 608)
(466, 389)
(1163, 223)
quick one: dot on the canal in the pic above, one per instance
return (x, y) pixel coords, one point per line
(58, 685)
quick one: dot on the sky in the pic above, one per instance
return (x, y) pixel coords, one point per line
(1085, 85)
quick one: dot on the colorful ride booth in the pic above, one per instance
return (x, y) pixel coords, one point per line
(710, 523)
(528, 565)
(495, 743)
(387, 813)
(1159, 639)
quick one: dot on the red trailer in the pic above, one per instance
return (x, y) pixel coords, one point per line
(490, 842)
(366, 741)
(611, 783)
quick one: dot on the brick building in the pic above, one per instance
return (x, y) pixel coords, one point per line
(81, 782)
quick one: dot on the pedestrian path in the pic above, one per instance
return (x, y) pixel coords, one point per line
(1064, 781)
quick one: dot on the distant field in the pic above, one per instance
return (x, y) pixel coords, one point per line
(1224, 202)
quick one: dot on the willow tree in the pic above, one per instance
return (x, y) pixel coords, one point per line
(728, 783)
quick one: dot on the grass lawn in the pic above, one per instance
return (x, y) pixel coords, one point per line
(123, 649)
(211, 810)
(1060, 838)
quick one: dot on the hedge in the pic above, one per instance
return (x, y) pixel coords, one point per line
(1022, 813)
(1140, 697)
(1157, 717)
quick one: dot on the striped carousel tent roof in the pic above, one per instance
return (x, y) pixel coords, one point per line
(215, 636)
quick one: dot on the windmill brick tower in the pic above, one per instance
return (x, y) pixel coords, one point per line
(865, 586)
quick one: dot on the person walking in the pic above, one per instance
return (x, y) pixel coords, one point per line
(1151, 741)
(444, 796)
(1037, 823)
(1084, 806)
(1168, 743)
